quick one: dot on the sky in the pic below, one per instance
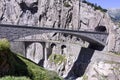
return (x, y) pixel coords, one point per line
(107, 3)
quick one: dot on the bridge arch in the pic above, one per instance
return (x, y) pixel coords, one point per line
(52, 49)
(52, 45)
(63, 49)
(34, 51)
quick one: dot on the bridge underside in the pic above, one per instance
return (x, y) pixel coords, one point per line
(13, 32)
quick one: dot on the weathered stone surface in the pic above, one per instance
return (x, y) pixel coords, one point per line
(35, 52)
(2, 9)
(105, 68)
(102, 70)
(117, 40)
(70, 53)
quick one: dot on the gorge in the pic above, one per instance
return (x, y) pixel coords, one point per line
(71, 57)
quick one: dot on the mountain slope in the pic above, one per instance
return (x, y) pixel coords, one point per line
(115, 15)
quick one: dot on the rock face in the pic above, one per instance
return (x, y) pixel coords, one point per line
(102, 68)
(66, 59)
(117, 41)
(107, 70)
(66, 14)
(114, 13)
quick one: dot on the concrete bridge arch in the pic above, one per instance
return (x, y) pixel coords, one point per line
(34, 51)
(13, 32)
(97, 40)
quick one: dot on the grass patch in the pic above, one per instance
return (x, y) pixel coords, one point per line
(14, 78)
(57, 58)
(24, 67)
(38, 73)
(117, 53)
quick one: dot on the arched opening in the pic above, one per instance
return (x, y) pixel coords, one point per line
(34, 52)
(53, 45)
(63, 48)
(52, 49)
(101, 29)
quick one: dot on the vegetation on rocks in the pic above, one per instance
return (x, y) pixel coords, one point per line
(95, 6)
(66, 4)
(85, 77)
(18, 66)
(57, 58)
(4, 44)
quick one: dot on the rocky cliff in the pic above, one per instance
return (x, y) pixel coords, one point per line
(66, 14)
(102, 67)
(115, 16)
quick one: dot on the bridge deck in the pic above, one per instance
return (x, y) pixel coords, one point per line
(15, 32)
(43, 40)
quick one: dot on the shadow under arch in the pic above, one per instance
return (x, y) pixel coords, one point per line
(63, 46)
(52, 45)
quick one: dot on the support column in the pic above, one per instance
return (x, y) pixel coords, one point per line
(46, 52)
(58, 49)
(26, 44)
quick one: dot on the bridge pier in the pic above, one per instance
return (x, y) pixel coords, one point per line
(46, 49)
(26, 44)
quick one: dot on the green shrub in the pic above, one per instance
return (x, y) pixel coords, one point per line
(4, 44)
(53, 75)
(57, 58)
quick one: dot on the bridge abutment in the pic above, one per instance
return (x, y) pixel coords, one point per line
(18, 47)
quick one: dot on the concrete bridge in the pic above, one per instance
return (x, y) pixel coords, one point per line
(12, 32)
(15, 32)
